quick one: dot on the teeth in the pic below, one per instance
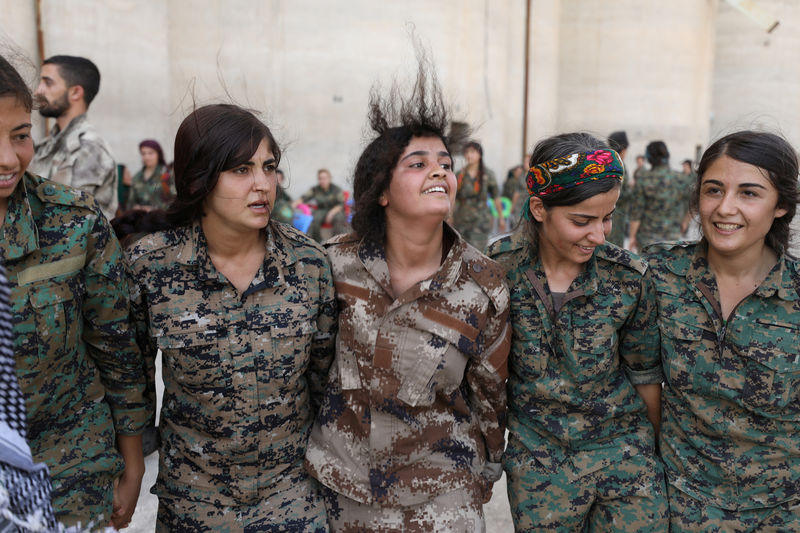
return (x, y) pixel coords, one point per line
(727, 226)
(6, 177)
(435, 189)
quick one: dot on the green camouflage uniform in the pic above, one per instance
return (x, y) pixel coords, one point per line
(581, 449)
(415, 404)
(243, 373)
(282, 210)
(77, 360)
(80, 158)
(324, 202)
(511, 186)
(472, 217)
(660, 200)
(619, 223)
(150, 192)
(731, 408)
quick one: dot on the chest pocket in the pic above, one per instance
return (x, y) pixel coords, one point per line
(595, 352)
(192, 357)
(772, 369)
(290, 343)
(58, 319)
(433, 358)
(689, 356)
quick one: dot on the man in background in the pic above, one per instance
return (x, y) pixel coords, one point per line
(74, 153)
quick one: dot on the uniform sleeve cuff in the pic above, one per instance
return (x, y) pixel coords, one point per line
(644, 377)
(492, 471)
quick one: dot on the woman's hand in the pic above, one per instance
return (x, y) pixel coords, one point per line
(127, 486)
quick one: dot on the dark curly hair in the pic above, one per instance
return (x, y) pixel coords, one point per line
(395, 120)
(770, 153)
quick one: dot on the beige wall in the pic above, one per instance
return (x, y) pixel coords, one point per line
(680, 71)
(307, 65)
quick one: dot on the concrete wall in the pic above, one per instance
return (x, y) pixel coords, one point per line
(306, 65)
(644, 66)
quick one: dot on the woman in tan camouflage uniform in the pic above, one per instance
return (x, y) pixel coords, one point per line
(242, 310)
(410, 433)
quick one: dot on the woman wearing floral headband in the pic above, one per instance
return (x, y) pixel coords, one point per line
(581, 451)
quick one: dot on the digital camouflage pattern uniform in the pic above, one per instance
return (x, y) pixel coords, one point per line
(619, 222)
(80, 158)
(581, 449)
(660, 200)
(157, 191)
(77, 360)
(471, 216)
(414, 411)
(731, 405)
(243, 374)
(324, 202)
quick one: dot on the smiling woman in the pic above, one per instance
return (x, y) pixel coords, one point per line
(584, 368)
(411, 431)
(729, 315)
(242, 309)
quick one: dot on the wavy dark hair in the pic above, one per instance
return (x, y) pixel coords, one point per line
(12, 84)
(770, 153)
(657, 153)
(394, 120)
(212, 139)
(561, 146)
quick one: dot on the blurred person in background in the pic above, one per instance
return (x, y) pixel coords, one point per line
(327, 200)
(74, 154)
(476, 184)
(151, 187)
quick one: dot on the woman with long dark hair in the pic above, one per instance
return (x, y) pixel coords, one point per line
(584, 370)
(151, 187)
(729, 314)
(475, 185)
(411, 430)
(242, 310)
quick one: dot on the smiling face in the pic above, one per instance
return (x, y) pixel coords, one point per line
(569, 234)
(737, 205)
(243, 197)
(423, 185)
(16, 145)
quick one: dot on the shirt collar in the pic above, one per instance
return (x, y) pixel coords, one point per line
(20, 234)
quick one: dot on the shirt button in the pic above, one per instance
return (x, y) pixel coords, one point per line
(476, 267)
(49, 189)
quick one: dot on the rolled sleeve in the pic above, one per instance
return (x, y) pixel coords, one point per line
(640, 345)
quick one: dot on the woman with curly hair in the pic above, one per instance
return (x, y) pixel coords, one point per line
(411, 430)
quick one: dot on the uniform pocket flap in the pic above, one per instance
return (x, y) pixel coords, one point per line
(295, 328)
(50, 294)
(679, 330)
(173, 339)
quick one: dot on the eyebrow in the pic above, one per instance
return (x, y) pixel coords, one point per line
(250, 163)
(23, 126)
(424, 152)
(591, 217)
(741, 185)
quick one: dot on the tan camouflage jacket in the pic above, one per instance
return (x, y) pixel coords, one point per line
(77, 360)
(415, 405)
(730, 429)
(242, 372)
(80, 158)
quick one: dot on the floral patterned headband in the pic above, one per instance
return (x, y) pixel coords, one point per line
(570, 171)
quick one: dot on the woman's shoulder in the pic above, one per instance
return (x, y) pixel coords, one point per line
(621, 258)
(300, 242)
(488, 274)
(57, 194)
(157, 243)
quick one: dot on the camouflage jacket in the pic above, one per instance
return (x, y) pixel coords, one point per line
(324, 200)
(415, 405)
(619, 223)
(156, 191)
(731, 406)
(660, 200)
(242, 372)
(471, 209)
(79, 157)
(572, 373)
(72, 340)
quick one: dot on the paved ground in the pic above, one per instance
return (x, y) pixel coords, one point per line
(498, 515)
